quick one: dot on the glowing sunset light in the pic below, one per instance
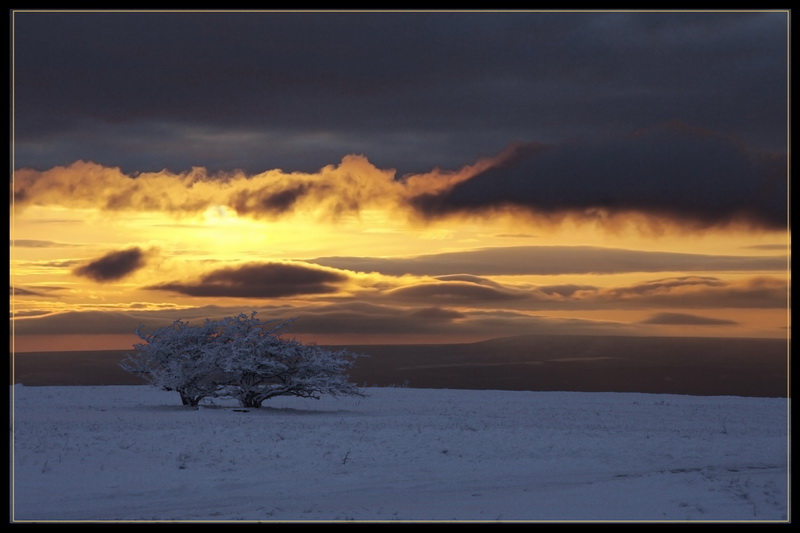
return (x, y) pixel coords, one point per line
(404, 198)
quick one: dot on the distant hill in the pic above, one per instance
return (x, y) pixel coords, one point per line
(662, 365)
(670, 365)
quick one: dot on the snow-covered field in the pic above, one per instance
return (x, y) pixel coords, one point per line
(132, 453)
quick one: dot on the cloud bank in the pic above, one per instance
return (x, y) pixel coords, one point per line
(685, 319)
(667, 175)
(671, 172)
(551, 260)
(151, 90)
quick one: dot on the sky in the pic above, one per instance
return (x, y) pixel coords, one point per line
(399, 177)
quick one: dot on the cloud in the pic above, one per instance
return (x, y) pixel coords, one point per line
(550, 260)
(20, 291)
(409, 89)
(456, 293)
(684, 319)
(78, 323)
(349, 322)
(333, 191)
(437, 314)
(124, 319)
(654, 179)
(373, 319)
(698, 292)
(469, 278)
(28, 313)
(34, 243)
(113, 266)
(565, 290)
(41, 291)
(781, 247)
(360, 320)
(672, 172)
(685, 292)
(259, 280)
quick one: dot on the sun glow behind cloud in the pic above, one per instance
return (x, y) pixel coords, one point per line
(499, 173)
(349, 251)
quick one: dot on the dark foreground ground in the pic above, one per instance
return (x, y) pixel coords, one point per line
(661, 365)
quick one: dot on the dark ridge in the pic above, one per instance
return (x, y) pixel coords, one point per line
(661, 365)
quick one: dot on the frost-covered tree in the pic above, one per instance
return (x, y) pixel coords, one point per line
(263, 365)
(239, 357)
(178, 357)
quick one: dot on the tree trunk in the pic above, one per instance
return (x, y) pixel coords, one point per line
(250, 400)
(191, 401)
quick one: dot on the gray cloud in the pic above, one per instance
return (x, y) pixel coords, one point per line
(358, 318)
(34, 243)
(113, 266)
(566, 290)
(547, 260)
(702, 293)
(776, 247)
(353, 320)
(20, 291)
(41, 291)
(258, 280)
(78, 323)
(412, 91)
(88, 322)
(684, 319)
(30, 313)
(670, 171)
(270, 202)
(685, 292)
(455, 292)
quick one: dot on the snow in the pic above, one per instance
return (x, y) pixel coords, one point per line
(132, 453)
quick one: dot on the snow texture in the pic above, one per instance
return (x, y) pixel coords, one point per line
(133, 453)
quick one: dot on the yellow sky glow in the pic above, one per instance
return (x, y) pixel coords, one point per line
(187, 226)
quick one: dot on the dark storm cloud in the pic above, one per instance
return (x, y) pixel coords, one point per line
(684, 319)
(113, 266)
(258, 280)
(411, 91)
(550, 260)
(673, 171)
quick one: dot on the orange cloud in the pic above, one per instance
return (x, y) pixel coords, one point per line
(349, 187)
